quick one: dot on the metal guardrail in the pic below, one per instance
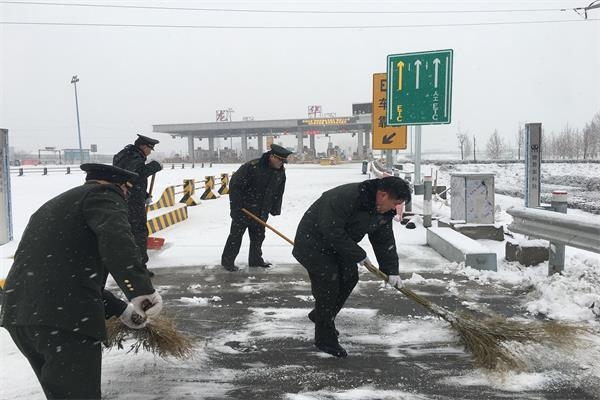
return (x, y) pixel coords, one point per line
(569, 230)
(20, 171)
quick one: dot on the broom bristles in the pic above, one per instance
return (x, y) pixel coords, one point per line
(160, 336)
(487, 340)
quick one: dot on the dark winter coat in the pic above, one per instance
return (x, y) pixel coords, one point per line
(69, 247)
(132, 158)
(258, 188)
(338, 220)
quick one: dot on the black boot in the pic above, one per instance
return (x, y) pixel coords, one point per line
(311, 316)
(229, 266)
(326, 340)
(260, 264)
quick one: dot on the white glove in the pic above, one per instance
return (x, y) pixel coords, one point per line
(365, 261)
(395, 281)
(148, 305)
(132, 319)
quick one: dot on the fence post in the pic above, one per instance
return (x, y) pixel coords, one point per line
(45, 171)
(427, 182)
(556, 257)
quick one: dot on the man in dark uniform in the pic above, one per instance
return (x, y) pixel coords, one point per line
(257, 186)
(54, 304)
(327, 240)
(133, 158)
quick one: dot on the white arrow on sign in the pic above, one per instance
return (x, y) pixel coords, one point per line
(436, 62)
(447, 89)
(418, 65)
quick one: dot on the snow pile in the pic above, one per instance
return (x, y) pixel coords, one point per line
(572, 296)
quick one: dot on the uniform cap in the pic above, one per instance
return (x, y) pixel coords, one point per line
(146, 140)
(280, 152)
(108, 173)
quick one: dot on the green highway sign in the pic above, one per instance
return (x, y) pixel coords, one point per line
(419, 88)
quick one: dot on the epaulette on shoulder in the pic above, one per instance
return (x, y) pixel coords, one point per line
(254, 162)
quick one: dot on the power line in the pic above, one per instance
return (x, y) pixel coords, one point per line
(241, 10)
(287, 27)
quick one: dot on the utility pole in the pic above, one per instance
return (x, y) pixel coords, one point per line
(474, 147)
(74, 81)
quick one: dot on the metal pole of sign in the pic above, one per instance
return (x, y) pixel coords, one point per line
(389, 159)
(6, 226)
(417, 155)
(427, 193)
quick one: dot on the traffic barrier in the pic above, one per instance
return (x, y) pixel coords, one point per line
(44, 170)
(188, 191)
(557, 227)
(170, 218)
(224, 189)
(167, 199)
(209, 185)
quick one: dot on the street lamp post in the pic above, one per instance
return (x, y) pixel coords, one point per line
(74, 81)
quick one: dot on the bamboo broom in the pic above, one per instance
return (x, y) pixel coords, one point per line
(160, 336)
(486, 340)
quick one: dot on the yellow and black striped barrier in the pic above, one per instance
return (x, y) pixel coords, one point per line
(224, 189)
(170, 218)
(188, 191)
(209, 185)
(167, 199)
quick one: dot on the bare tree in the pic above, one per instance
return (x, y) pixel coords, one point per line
(520, 140)
(567, 143)
(591, 138)
(495, 146)
(467, 146)
(464, 143)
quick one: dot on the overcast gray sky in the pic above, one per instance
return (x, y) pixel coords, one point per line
(537, 65)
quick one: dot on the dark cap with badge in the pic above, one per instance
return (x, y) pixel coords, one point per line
(104, 172)
(146, 140)
(280, 152)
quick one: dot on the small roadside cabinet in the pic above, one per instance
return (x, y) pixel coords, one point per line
(472, 198)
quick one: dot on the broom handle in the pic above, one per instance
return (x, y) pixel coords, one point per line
(260, 221)
(434, 308)
(152, 184)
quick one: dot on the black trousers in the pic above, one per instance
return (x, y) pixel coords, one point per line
(139, 229)
(67, 365)
(331, 284)
(234, 240)
(332, 280)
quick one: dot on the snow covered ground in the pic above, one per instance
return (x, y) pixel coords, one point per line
(198, 241)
